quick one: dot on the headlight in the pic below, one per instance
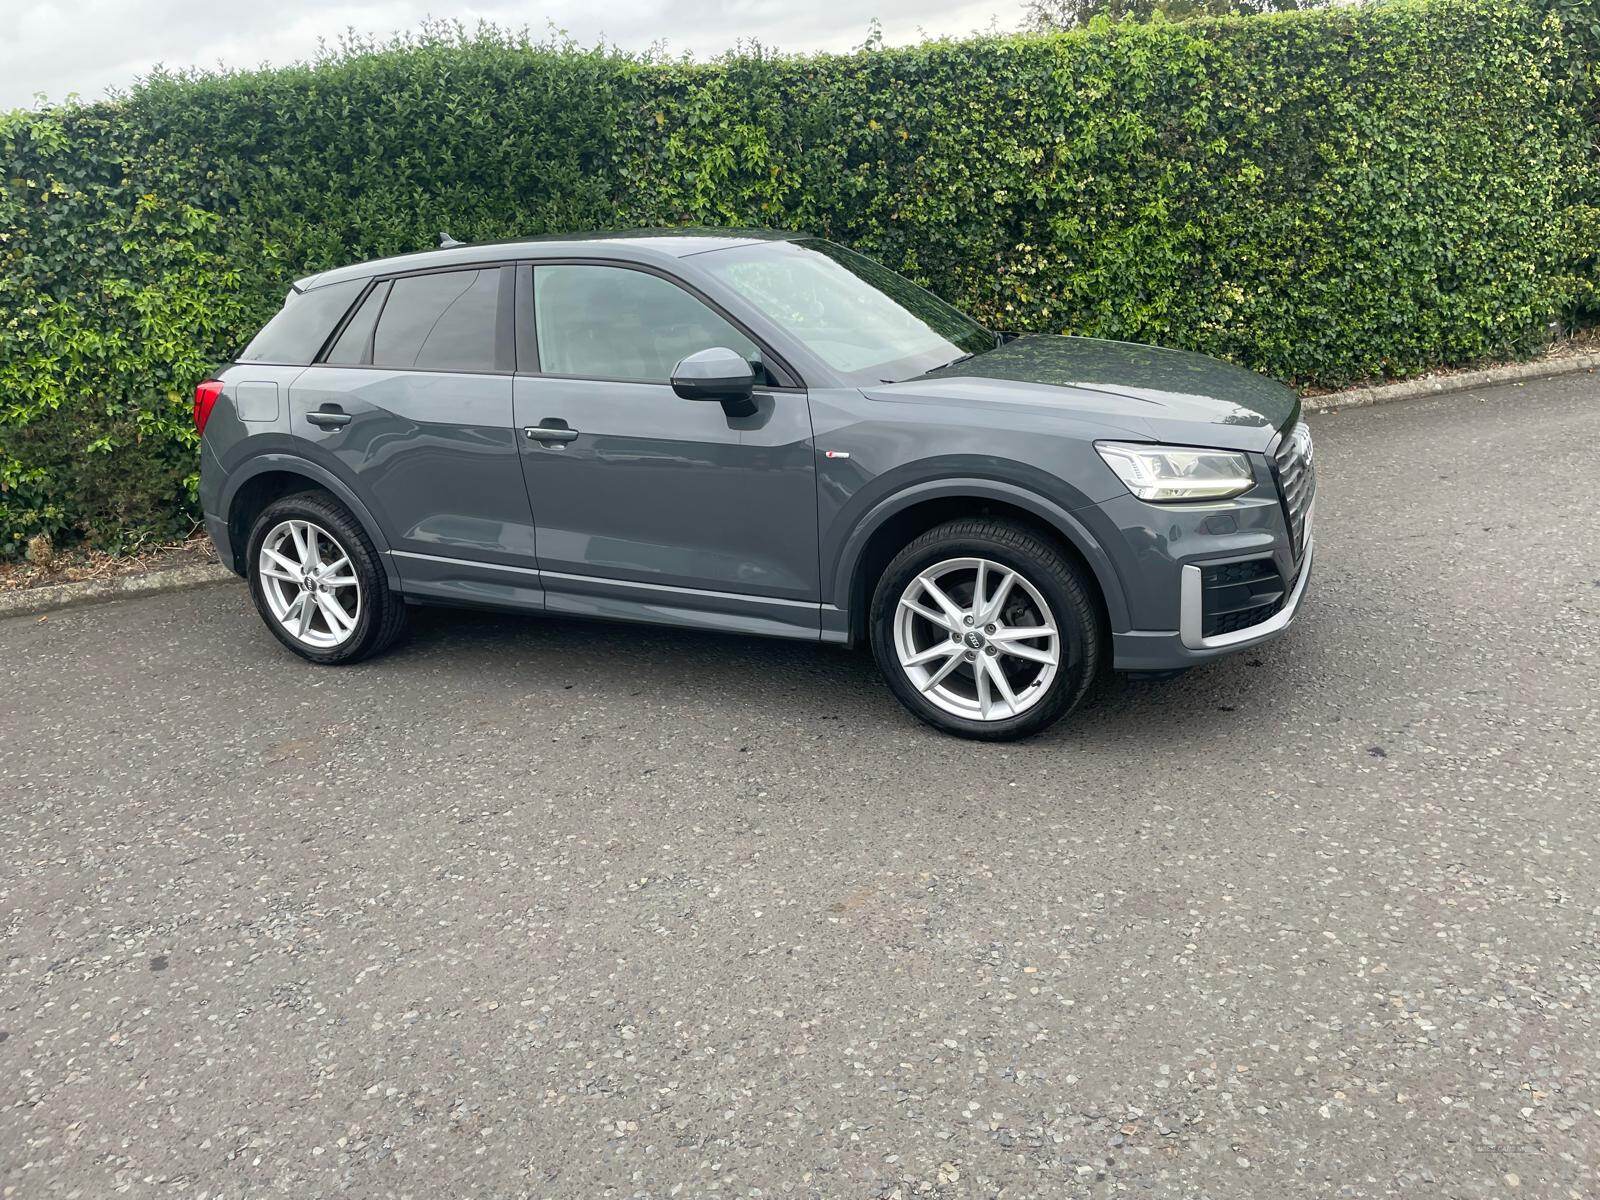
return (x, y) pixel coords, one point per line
(1164, 474)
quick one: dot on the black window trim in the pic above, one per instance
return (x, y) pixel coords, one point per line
(505, 322)
(527, 331)
(523, 320)
(520, 326)
(504, 339)
(332, 340)
(338, 330)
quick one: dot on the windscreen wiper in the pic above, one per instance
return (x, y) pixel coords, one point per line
(954, 362)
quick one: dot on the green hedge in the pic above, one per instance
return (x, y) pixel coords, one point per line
(1576, 90)
(1322, 196)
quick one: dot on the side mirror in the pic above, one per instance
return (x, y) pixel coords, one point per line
(714, 374)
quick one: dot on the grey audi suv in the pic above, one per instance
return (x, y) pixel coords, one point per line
(755, 432)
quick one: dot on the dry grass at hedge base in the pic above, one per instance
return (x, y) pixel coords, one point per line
(80, 564)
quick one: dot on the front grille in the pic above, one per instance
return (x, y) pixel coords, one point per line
(1297, 481)
(1237, 595)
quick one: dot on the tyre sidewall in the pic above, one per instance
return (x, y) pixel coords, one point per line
(1072, 677)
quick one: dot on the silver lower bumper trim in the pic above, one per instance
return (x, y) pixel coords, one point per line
(1190, 613)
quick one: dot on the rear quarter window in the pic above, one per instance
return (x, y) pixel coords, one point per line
(303, 324)
(355, 339)
(445, 321)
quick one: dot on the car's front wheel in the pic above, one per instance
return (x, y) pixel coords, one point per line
(317, 581)
(985, 629)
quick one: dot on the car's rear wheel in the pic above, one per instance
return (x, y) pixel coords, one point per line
(985, 629)
(317, 581)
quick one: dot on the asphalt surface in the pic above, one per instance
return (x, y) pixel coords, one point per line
(539, 908)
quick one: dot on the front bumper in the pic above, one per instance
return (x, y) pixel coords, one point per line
(1163, 554)
(1163, 650)
(1151, 650)
(1191, 608)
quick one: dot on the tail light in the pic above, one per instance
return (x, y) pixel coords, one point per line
(205, 396)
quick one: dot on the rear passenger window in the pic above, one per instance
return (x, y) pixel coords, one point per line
(307, 318)
(444, 322)
(355, 337)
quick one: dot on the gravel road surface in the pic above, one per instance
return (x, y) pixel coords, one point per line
(538, 908)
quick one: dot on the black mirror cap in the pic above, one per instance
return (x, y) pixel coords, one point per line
(714, 374)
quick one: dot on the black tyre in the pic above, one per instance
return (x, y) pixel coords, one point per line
(986, 629)
(317, 581)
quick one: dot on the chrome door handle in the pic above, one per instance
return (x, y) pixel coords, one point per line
(326, 419)
(550, 433)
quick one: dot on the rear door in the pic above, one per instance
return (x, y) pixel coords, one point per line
(413, 401)
(649, 505)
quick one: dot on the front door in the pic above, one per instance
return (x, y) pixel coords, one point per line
(648, 505)
(414, 402)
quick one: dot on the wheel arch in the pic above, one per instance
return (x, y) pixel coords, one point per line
(896, 520)
(268, 477)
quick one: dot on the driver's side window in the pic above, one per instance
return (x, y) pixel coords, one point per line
(602, 322)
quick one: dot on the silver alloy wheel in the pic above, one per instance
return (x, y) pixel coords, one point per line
(977, 639)
(310, 584)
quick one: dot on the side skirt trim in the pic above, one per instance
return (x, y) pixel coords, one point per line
(607, 581)
(463, 562)
(709, 594)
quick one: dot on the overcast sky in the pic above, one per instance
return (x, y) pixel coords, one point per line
(62, 46)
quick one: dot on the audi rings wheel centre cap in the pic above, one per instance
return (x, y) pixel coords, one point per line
(975, 640)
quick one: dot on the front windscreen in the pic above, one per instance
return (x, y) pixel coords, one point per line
(867, 323)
